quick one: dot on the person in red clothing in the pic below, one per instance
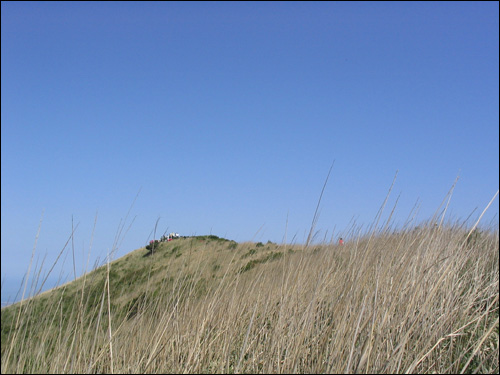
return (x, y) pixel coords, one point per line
(341, 241)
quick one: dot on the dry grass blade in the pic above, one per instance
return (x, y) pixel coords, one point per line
(315, 217)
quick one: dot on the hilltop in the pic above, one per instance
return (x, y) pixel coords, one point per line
(418, 300)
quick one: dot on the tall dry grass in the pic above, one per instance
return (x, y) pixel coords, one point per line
(414, 300)
(417, 301)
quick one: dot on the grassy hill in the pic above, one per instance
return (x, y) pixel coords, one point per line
(417, 300)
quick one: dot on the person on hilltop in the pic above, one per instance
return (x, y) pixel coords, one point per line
(341, 241)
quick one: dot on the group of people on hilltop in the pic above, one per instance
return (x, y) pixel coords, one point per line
(170, 237)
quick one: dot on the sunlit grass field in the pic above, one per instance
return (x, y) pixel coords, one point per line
(416, 300)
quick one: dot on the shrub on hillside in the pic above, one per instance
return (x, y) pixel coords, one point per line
(153, 244)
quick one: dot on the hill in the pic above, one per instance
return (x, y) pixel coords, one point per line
(417, 300)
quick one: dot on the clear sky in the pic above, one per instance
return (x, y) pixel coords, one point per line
(224, 118)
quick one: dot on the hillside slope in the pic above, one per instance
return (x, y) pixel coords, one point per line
(418, 300)
(144, 272)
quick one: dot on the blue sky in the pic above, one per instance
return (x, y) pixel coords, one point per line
(225, 118)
